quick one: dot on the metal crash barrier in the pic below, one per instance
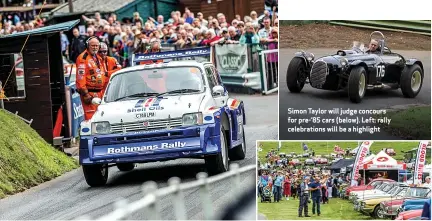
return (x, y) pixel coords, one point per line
(150, 202)
(251, 66)
(269, 71)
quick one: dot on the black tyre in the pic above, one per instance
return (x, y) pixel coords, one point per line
(238, 152)
(218, 163)
(96, 175)
(411, 80)
(378, 213)
(357, 84)
(125, 166)
(296, 75)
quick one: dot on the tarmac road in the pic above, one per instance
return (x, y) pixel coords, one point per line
(314, 98)
(69, 197)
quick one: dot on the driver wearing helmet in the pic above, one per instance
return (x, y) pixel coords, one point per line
(373, 47)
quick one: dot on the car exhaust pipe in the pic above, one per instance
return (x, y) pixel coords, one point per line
(386, 86)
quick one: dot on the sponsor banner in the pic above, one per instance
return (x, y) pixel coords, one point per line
(420, 162)
(146, 147)
(77, 111)
(391, 167)
(358, 163)
(192, 52)
(232, 58)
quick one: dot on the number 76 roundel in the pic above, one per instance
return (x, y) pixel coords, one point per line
(380, 70)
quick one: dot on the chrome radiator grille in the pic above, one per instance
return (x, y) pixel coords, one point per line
(146, 125)
(318, 74)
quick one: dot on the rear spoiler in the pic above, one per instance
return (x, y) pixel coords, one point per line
(185, 53)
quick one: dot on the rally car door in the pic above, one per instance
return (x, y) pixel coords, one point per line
(213, 80)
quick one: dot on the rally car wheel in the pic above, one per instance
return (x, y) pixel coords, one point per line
(96, 175)
(125, 166)
(411, 81)
(296, 75)
(357, 84)
(238, 152)
(218, 163)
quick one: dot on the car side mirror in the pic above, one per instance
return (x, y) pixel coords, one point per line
(218, 90)
(96, 101)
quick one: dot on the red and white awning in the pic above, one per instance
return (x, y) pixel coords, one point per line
(383, 161)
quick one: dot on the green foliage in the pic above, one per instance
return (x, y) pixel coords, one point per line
(324, 148)
(413, 123)
(26, 159)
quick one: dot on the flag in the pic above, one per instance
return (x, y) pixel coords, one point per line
(420, 162)
(59, 123)
(361, 154)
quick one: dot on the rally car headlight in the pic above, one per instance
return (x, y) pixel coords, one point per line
(101, 127)
(192, 119)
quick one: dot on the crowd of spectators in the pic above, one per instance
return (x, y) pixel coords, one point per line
(13, 23)
(142, 35)
(187, 30)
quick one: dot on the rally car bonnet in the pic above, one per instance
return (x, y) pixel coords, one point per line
(150, 108)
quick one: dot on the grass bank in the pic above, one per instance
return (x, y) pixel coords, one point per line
(337, 209)
(323, 148)
(410, 124)
(26, 160)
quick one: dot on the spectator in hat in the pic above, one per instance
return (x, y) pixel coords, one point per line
(137, 18)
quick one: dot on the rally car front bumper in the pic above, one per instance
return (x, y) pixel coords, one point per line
(185, 142)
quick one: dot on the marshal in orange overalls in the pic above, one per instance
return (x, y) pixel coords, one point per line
(111, 66)
(91, 81)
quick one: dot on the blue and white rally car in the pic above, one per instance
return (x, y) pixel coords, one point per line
(159, 112)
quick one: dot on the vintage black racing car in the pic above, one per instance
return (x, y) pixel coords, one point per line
(357, 70)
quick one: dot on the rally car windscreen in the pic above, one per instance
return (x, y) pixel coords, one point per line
(155, 81)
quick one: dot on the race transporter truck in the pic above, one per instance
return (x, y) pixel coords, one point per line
(164, 111)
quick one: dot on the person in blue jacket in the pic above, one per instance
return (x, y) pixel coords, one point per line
(426, 213)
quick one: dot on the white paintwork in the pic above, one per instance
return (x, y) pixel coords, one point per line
(173, 105)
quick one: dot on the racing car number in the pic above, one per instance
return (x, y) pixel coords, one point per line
(380, 70)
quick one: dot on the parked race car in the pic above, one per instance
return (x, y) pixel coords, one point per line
(410, 215)
(160, 112)
(370, 205)
(309, 161)
(381, 190)
(412, 204)
(372, 185)
(390, 207)
(357, 71)
(322, 161)
(294, 162)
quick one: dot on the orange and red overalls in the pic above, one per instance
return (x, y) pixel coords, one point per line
(111, 66)
(90, 81)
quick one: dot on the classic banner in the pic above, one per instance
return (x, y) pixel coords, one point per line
(232, 58)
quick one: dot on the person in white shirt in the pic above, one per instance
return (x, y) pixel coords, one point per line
(427, 182)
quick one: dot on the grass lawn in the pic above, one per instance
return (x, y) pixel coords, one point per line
(410, 124)
(337, 209)
(26, 160)
(323, 148)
